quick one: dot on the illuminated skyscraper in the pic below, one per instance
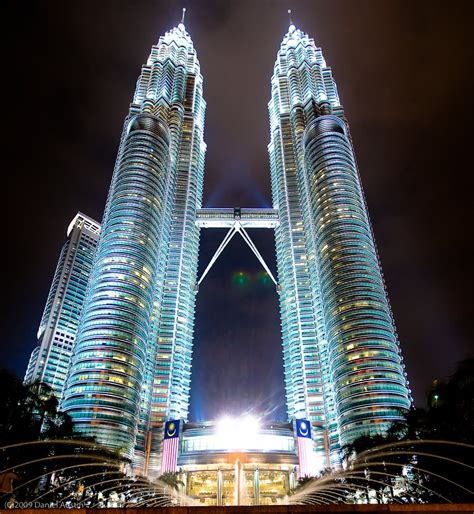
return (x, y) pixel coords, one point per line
(132, 361)
(49, 361)
(342, 362)
(131, 365)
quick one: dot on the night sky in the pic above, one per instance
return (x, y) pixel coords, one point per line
(405, 75)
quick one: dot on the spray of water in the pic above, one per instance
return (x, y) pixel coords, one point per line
(401, 472)
(54, 474)
(380, 475)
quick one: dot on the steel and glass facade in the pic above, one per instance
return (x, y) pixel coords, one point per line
(343, 368)
(131, 364)
(132, 360)
(50, 359)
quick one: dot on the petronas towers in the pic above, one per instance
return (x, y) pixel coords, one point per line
(130, 365)
(343, 367)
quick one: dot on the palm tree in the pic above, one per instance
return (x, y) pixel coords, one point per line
(42, 403)
(171, 479)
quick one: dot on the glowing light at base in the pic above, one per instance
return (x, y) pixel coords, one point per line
(238, 433)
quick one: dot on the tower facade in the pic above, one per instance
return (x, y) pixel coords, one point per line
(49, 361)
(132, 360)
(130, 369)
(342, 361)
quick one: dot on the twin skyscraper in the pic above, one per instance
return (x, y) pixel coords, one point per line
(126, 368)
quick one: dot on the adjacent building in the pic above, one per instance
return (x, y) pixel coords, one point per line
(50, 359)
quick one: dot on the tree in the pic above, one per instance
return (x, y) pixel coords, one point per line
(29, 412)
(413, 442)
(38, 444)
(172, 480)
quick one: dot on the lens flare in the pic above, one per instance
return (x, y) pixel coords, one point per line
(240, 278)
(264, 279)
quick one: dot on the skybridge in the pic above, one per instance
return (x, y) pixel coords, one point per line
(237, 220)
(226, 217)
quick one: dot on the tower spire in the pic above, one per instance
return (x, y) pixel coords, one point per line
(183, 15)
(292, 27)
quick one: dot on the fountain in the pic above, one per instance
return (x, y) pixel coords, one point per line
(67, 473)
(55, 477)
(401, 472)
(241, 496)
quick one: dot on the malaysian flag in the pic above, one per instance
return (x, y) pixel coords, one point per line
(170, 447)
(306, 456)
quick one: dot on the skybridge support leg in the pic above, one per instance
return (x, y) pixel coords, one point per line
(224, 243)
(249, 241)
(237, 227)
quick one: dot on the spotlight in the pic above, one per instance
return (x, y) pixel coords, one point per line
(237, 433)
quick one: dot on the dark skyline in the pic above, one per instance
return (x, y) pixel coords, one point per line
(405, 75)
